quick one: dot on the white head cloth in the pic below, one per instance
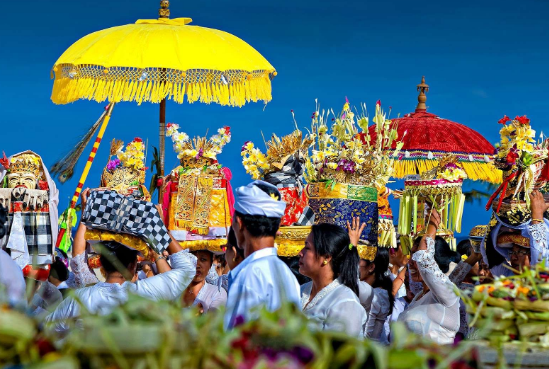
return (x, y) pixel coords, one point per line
(53, 195)
(251, 200)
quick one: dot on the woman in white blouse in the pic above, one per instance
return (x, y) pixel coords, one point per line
(434, 312)
(376, 274)
(330, 300)
(206, 296)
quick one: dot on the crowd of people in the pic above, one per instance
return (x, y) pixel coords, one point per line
(343, 293)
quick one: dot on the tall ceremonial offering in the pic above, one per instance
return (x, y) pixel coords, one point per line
(347, 170)
(283, 166)
(439, 188)
(31, 197)
(198, 199)
(525, 168)
(120, 209)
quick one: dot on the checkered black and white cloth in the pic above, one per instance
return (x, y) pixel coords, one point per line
(110, 211)
(37, 227)
(288, 176)
(307, 218)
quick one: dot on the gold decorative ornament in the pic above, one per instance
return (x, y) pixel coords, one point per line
(25, 170)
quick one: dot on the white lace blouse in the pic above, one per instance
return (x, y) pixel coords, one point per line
(436, 314)
(378, 315)
(334, 308)
(211, 297)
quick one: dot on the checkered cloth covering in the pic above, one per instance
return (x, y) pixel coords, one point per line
(288, 176)
(37, 227)
(110, 211)
(307, 218)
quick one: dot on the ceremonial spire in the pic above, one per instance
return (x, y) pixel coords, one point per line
(422, 98)
(164, 11)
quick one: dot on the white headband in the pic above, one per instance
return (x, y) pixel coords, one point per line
(252, 200)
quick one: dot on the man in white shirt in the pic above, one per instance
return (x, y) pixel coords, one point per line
(262, 279)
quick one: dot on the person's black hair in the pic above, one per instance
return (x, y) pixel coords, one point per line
(259, 225)
(444, 254)
(210, 254)
(464, 247)
(493, 255)
(112, 253)
(231, 240)
(332, 240)
(3, 221)
(59, 270)
(381, 272)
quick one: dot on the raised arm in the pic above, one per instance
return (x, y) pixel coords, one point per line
(83, 276)
(539, 228)
(432, 276)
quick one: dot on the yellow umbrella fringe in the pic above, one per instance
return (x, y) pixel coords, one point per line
(476, 171)
(237, 93)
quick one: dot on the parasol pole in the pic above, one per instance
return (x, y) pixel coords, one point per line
(163, 12)
(87, 168)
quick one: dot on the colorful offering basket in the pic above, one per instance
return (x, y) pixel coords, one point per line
(340, 203)
(348, 168)
(198, 199)
(445, 195)
(524, 163)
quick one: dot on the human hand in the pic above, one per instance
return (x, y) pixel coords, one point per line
(538, 205)
(84, 198)
(434, 217)
(160, 211)
(355, 230)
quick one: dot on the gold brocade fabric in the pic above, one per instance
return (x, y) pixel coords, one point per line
(215, 246)
(201, 203)
(291, 240)
(192, 204)
(125, 239)
(367, 252)
(220, 215)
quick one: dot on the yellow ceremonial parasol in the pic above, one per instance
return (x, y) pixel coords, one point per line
(151, 61)
(158, 59)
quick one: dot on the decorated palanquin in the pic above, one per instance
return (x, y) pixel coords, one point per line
(31, 197)
(198, 199)
(125, 174)
(348, 173)
(283, 166)
(442, 188)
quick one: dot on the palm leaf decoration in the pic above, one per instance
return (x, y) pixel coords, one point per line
(155, 166)
(64, 168)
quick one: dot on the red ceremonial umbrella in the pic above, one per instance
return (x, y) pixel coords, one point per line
(429, 137)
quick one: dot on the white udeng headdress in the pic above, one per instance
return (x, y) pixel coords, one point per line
(252, 200)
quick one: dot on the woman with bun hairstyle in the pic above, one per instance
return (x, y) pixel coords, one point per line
(330, 300)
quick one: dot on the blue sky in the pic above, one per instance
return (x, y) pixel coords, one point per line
(482, 59)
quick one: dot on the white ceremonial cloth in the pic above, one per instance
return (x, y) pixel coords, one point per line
(211, 297)
(434, 315)
(12, 281)
(334, 308)
(262, 279)
(102, 298)
(381, 309)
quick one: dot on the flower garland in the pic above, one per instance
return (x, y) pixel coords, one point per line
(198, 153)
(347, 153)
(517, 142)
(133, 157)
(254, 161)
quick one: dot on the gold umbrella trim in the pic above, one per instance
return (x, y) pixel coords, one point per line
(115, 84)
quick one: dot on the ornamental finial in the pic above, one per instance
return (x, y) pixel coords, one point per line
(422, 98)
(164, 11)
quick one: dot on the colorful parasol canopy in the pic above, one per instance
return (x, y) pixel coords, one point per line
(427, 138)
(155, 59)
